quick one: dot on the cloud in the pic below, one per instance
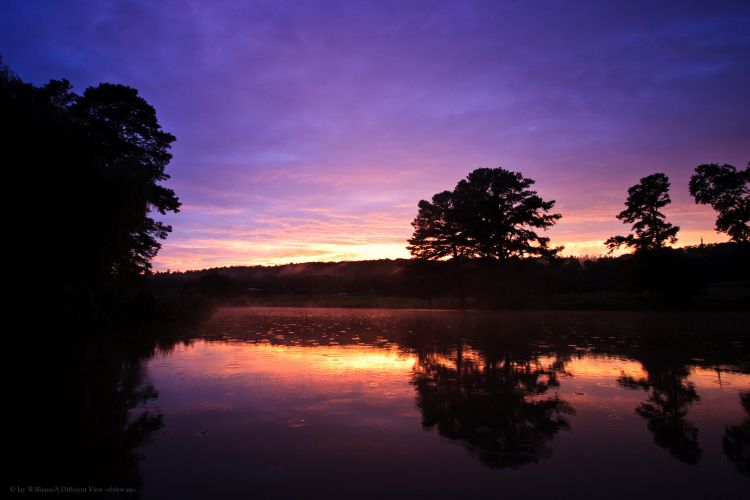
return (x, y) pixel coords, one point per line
(305, 125)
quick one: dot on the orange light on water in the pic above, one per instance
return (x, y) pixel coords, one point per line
(284, 360)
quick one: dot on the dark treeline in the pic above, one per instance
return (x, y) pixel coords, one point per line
(704, 276)
(87, 175)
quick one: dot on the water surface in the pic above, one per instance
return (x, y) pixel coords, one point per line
(390, 403)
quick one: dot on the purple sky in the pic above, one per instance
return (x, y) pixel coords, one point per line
(310, 130)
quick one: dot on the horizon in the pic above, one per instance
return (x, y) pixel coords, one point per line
(615, 254)
(310, 134)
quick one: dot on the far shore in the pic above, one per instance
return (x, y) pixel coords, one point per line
(716, 296)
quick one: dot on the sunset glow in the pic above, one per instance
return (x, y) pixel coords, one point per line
(310, 134)
(333, 368)
(378, 249)
(317, 360)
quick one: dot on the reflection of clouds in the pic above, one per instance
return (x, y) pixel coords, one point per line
(330, 380)
(504, 388)
(602, 367)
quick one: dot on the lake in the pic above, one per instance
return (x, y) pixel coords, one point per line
(362, 403)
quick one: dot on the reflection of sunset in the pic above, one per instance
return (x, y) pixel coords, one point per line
(335, 365)
(357, 383)
(590, 367)
(596, 369)
(333, 358)
(719, 378)
(369, 367)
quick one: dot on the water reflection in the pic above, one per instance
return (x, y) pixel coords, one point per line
(499, 406)
(491, 381)
(254, 395)
(736, 439)
(81, 411)
(666, 409)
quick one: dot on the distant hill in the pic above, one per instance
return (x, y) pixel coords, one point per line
(360, 277)
(703, 276)
(362, 268)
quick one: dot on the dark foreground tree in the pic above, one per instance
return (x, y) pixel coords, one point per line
(490, 214)
(132, 152)
(727, 190)
(650, 229)
(85, 173)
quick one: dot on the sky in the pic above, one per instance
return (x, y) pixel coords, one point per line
(309, 131)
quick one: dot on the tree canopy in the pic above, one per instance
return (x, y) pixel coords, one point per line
(727, 190)
(491, 213)
(650, 229)
(89, 168)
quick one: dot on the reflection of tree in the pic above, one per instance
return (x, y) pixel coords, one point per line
(666, 409)
(495, 406)
(79, 419)
(128, 427)
(736, 439)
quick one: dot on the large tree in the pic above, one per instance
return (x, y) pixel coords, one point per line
(727, 190)
(437, 232)
(86, 171)
(131, 152)
(490, 214)
(650, 230)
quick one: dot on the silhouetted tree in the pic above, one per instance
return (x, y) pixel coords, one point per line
(727, 190)
(490, 214)
(126, 140)
(643, 204)
(437, 231)
(90, 169)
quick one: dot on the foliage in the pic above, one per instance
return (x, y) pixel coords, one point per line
(437, 231)
(490, 214)
(651, 230)
(97, 159)
(727, 190)
(87, 172)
